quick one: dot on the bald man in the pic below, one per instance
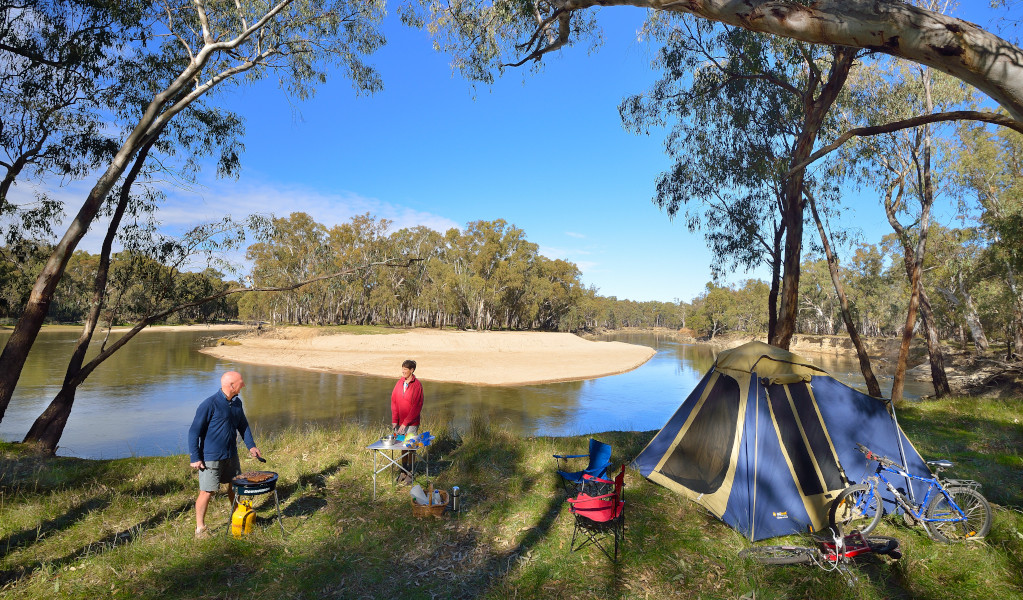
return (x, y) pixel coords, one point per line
(212, 444)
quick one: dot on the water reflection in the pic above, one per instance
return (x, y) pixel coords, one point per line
(142, 400)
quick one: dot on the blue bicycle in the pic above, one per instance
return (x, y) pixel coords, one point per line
(952, 510)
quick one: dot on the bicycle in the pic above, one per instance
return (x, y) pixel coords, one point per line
(952, 510)
(830, 554)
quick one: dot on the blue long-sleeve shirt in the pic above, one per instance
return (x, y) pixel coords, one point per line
(215, 427)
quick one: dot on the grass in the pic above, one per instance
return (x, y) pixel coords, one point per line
(73, 528)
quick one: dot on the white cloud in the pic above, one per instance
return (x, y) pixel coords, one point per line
(240, 199)
(556, 253)
(575, 235)
(184, 209)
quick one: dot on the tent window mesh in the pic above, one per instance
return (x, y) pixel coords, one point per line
(701, 458)
(792, 439)
(817, 436)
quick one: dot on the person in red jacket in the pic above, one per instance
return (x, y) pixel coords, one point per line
(406, 404)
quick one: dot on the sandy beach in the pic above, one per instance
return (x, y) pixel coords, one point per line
(475, 357)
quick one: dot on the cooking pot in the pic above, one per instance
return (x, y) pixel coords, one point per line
(246, 487)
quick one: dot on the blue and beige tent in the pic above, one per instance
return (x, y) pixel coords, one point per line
(767, 440)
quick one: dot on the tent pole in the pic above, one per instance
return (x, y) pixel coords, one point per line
(902, 451)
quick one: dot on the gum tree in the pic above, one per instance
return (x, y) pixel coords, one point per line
(487, 36)
(206, 45)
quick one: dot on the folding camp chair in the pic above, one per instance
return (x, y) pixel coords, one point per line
(600, 517)
(600, 460)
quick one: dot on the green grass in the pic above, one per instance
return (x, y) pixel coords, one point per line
(74, 528)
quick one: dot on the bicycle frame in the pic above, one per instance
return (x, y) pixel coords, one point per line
(915, 509)
(843, 548)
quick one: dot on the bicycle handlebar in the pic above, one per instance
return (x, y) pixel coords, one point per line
(883, 460)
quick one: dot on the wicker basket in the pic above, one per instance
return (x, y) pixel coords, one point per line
(427, 510)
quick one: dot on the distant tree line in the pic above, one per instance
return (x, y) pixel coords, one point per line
(489, 276)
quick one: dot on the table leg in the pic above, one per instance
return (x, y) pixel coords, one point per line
(277, 503)
(375, 476)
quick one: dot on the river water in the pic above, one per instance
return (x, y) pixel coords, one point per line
(141, 401)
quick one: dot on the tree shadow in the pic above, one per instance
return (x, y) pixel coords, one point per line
(29, 536)
(102, 545)
(304, 505)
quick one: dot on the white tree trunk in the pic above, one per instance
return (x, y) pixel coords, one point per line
(952, 45)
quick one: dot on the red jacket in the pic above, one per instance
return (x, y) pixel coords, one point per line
(406, 404)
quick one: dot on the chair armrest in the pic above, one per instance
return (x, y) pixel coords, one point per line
(589, 477)
(569, 455)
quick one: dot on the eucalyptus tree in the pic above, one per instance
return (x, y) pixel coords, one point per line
(554, 291)
(295, 249)
(490, 261)
(818, 302)
(724, 142)
(752, 109)
(956, 267)
(901, 166)
(53, 57)
(417, 295)
(990, 166)
(750, 306)
(876, 299)
(713, 310)
(362, 239)
(194, 48)
(487, 37)
(831, 256)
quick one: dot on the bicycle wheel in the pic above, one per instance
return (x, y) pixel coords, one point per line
(857, 507)
(882, 544)
(946, 524)
(779, 555)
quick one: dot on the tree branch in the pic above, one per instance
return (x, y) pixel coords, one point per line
(957, 115)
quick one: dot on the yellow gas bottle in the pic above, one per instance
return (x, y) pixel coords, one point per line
(241, 520)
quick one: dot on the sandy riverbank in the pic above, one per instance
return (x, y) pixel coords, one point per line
(476, 357)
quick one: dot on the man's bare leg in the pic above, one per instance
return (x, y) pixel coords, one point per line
(201, 504)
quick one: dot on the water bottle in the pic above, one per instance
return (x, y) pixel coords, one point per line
(454, 499)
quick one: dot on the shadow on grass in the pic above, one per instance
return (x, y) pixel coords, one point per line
(105, 544)
(50, 526)
(317, 481)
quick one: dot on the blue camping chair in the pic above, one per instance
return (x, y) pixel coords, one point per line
(600, 460)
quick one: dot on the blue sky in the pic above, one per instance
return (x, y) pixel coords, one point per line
(545, 151)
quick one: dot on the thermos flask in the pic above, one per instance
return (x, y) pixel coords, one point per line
(455, 500)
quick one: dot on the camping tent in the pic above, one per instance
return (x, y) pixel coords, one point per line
(767, 440)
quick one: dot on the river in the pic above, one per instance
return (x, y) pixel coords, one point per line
(142, 400)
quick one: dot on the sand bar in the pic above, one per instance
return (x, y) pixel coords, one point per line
(475, 357)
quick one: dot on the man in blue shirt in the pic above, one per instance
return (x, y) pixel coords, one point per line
(212, 444)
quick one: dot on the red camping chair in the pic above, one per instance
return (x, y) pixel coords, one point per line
(600, 517)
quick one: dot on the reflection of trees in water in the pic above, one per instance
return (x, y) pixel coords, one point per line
(150, 358)
(290, 398)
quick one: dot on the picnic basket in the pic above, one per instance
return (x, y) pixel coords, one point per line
(427, 510)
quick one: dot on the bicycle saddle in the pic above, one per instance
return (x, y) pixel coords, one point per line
(941, 464)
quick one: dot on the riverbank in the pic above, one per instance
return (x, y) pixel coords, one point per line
(472, 357)
(122, 528)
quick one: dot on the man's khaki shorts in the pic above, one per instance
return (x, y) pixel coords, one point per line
(218, 472)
